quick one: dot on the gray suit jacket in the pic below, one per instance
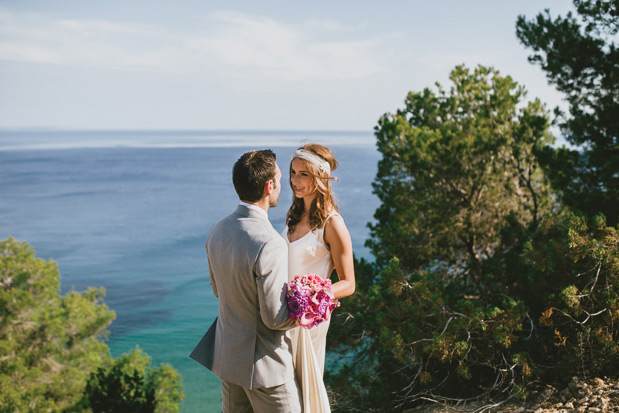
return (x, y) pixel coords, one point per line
(248, 262)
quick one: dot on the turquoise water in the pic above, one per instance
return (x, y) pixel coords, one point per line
(130, 211)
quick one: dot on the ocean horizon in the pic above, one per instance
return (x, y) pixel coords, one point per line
(58, 139)
(130, 210)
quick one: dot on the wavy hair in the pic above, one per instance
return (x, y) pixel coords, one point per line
(324, 201)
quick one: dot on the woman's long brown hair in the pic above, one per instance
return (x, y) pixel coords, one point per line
(324, 201)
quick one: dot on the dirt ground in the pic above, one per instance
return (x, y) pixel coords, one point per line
(596, 395)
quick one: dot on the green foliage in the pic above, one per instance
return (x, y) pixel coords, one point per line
(417, 339)
(127, 384)
(48, 343)
(553, 315)
(478, 291)
(454, 166)
(122, 386)
(579, 313)
(51, 345)
(580, 57)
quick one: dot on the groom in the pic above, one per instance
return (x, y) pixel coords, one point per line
(247, 347)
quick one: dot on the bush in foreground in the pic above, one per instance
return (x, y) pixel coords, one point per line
(551, 314)
(52, 345)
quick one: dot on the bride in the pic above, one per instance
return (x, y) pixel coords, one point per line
(318, 242)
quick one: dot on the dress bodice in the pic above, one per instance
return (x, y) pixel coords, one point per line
(309, 254)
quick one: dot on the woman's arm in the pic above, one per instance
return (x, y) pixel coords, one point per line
(337, 238)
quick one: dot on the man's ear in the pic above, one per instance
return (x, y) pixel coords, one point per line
(268, 187)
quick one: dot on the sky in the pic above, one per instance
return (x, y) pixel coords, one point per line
(246, 65)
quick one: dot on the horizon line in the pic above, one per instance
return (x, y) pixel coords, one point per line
(184, 130)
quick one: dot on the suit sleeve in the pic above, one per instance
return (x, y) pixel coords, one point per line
(271, 273)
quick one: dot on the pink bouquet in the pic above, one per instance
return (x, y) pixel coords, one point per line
(310, 300)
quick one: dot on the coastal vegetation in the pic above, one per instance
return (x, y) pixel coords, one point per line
(580, 57)
(497, 253)
(52, 353)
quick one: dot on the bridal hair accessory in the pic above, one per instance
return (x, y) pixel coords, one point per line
(313, 158)
(310, 300)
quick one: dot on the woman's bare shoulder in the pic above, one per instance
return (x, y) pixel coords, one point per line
(335, 221)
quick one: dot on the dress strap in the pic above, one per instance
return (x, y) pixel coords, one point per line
(333, 213)
(324, 227)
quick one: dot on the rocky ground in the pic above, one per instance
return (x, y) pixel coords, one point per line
(596, 395)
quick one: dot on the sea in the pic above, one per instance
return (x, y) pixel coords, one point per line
(129, 211)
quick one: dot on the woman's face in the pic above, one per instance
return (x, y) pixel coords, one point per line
(300, 179)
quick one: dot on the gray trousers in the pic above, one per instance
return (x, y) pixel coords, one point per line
(285, 398)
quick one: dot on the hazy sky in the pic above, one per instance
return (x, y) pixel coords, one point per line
(250, 64)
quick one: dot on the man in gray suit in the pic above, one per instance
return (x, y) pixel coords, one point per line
(248, 347)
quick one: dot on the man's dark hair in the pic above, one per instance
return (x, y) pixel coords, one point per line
(251, 172)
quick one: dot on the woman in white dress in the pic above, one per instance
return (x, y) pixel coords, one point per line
(318, 242)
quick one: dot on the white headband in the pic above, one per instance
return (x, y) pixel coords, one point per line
(313, 158)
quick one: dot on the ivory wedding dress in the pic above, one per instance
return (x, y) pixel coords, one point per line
(309, 254)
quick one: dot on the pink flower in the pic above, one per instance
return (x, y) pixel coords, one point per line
(323, 306)
(307, 320)
(310, 300)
